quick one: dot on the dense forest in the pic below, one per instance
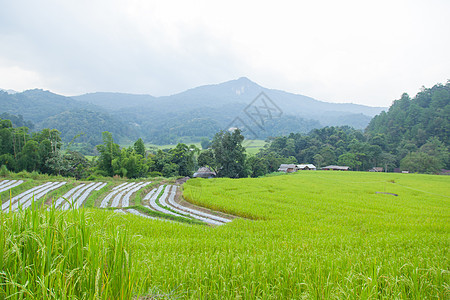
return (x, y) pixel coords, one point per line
(412, 135)
(185, 117)
(38, 109)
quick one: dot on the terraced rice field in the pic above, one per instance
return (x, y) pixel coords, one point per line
(76, 196)
(309, 235)
(9, 184)
(25, 199)
(160, 199)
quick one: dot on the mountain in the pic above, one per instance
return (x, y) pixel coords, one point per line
(69, 116)
(186, 116)
(115, 101)
(9, 91)
(204, 110)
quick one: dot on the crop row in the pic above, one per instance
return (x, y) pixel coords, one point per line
(76, 196)
(161, 199)
(166, 204)
(122, 194)
(9, 184)
(25, 199)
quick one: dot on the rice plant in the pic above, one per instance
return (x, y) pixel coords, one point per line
(51, 254)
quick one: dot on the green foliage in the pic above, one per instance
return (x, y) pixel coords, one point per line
(229, 154)
(16, 121)
(139, 147)
(3, 171)
(257, 166)
(349, 159)
(49, 254)
(205, 143)
(421, 162)
(414, 121)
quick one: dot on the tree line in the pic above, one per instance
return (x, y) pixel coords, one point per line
(412, 135)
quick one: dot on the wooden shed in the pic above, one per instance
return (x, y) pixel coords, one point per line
(306, 167)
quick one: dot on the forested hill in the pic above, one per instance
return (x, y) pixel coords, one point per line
(184, 117)
(411, 122)
(70, 117)
(202, 111)
(412, 135)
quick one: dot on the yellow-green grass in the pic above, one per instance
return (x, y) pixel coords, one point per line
(312, 235)
(253, 146)
(327, 235)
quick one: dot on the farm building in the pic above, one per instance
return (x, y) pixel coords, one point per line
(306, 167)
(288, 168)
(336, 168)
(204, 172)
(376, 169)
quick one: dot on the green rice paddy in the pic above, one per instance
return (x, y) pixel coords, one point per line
(308, 235)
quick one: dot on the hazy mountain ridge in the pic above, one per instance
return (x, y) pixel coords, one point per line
(192, 114)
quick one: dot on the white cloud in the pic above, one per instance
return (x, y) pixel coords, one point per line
(352, 51)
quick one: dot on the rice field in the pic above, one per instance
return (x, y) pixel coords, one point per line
(308, 235)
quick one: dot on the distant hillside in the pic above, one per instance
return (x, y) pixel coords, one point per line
(412, 122)
(70, 117)
(115, 101)
(202, 110)
(187, 116)
(91, 124)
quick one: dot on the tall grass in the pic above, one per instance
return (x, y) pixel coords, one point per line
(50, 254)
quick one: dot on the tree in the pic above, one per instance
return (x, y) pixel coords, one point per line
(349, 159)
(108, 152)
(29, 157)
(229, 154)
(205, 143)
(45, 152)
(183, 156)
(206, 158)
(139, 147)
(318, 160)
(257, 166)
(170, 170)
(421, 162)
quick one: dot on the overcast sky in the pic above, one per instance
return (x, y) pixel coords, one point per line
(366, 52)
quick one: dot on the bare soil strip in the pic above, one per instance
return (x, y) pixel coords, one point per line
(6, 182)
(156, 207)
(100, 187)
(3, 182)
(119, 186)
(138, 213)
(118, 197)
(153, 193)
(83, 197)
